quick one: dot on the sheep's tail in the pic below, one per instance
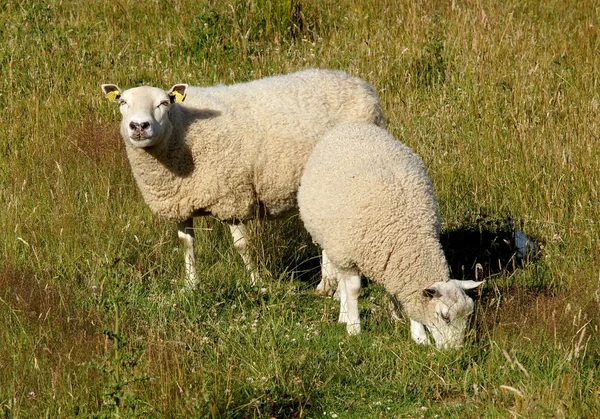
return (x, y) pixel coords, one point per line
(376, 112)
(379, 118)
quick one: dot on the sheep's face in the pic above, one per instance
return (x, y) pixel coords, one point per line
(145, 112)
(447, 311)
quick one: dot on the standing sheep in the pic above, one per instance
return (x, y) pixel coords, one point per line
(231, 151)
(367, 200)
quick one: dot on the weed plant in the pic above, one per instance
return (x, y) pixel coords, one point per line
(501, 100)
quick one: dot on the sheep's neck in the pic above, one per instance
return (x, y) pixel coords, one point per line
(160, 172)
(411, 276)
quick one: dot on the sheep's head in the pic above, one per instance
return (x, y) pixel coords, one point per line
(447, 309)
(145, 112)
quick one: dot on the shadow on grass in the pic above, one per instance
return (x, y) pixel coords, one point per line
(483, 247)
(492, 249)
(489, 248)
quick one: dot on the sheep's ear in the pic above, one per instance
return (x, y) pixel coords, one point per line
(112, 92)
(177, 93)
(431, 292)
(466, 285)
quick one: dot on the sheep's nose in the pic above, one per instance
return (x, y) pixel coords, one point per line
(139, 127)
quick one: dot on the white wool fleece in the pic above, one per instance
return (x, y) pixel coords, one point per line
(367, 200)
(381, 195)
(235, 147)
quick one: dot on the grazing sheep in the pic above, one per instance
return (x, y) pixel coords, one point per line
(233, 151)
(367, 200)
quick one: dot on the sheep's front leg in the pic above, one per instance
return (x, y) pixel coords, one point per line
(418, 333)
(329, 277)
(349, 291)
(240, 242)
(185, 232)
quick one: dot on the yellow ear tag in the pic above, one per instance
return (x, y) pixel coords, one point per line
(178, 96)
(112, 95)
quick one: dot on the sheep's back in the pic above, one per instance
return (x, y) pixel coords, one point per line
(367, 199)
(274, 123)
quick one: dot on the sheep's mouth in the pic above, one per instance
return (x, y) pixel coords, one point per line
(448, 344)
(140, 136)
(141, 140)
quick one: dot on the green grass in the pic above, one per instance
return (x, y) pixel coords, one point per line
(500, 99)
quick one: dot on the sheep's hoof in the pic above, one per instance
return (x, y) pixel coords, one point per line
(254, 279)
(323, 289)
(190, 285)
(188, 289)
(420, 340)
(353, 329)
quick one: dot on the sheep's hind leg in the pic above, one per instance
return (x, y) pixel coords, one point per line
(185, 232)
(240, 242)
(329, 277)
(349, 291)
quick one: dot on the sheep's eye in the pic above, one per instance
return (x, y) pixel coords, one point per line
(445, 317)
(163, 103)
(122, 102)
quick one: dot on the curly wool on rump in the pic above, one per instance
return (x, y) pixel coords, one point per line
(367, 200)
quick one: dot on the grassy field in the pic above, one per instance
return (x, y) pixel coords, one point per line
(501, 100)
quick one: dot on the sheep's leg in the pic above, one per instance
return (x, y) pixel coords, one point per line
(349, 290)
(185, 232)
(329, 277)
(418, 333)
(343, 318)
(336, 294)
(240, 242)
